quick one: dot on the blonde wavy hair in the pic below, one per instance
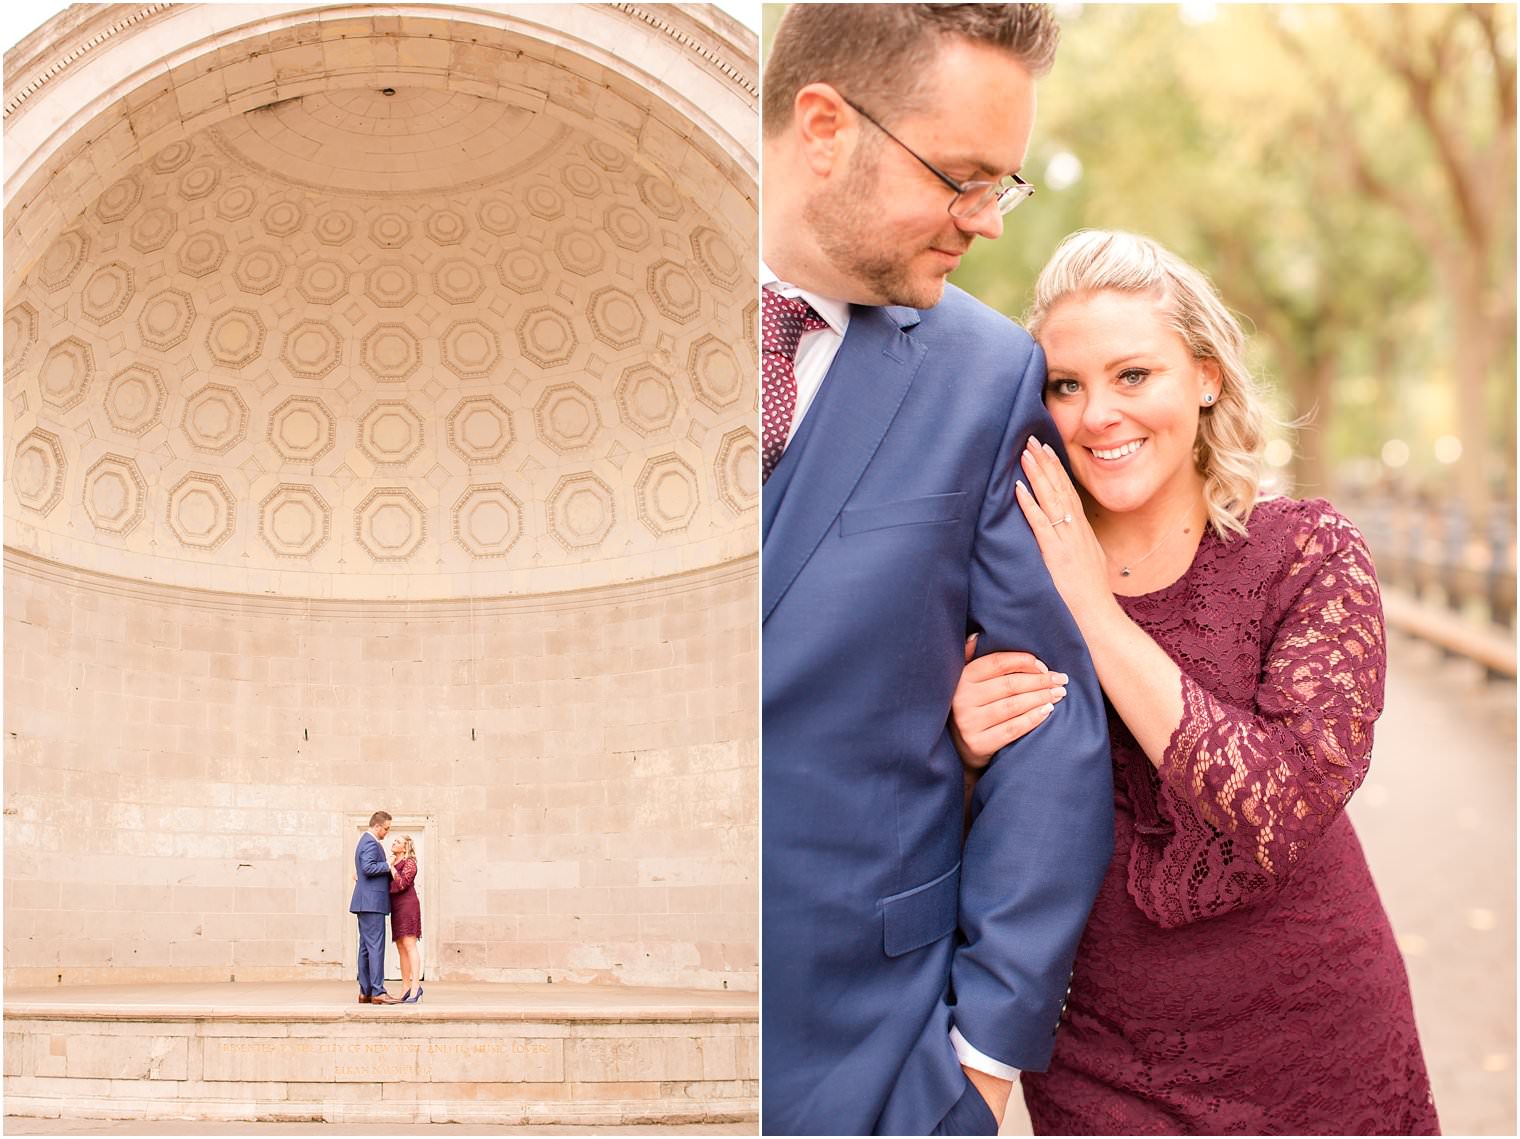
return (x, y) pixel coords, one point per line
(1232, 432)
(407, 849)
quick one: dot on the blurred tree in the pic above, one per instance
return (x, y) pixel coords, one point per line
(1333, 169)
(1450, 179)
(770, 16)
(1345, 173)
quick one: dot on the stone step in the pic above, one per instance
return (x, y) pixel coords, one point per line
(470, 1053)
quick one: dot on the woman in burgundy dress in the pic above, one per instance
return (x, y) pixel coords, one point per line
(406, 915)
(1238, 974)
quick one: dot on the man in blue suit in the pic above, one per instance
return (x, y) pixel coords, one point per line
(372, 902)
(908, 974)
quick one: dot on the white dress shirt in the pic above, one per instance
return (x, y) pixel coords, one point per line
(815, 355)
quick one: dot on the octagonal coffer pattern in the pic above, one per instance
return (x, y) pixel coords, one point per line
(202, 511)
(666, 494)
(391, 432)
(488, 521)
(107, 293)
(20, 334)
(115, 495)
(63, 260)
(549, 370)
(66, 373)
(581, 511)
(737, 473)
(647, 399)
(294, 520)
(313, 348)
(236, 338)
(119, 199)
(216, 419)
(391, 352)
(259, 270)
(390, 524)
(165, 320)
(135, 398)
(480, 429)
(38, 467)
(567, 418)
(302, 429)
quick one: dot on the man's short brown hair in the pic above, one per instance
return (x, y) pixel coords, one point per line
(877, 54)
(379, 817)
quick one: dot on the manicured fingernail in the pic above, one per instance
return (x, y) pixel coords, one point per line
(1059, 677)
(1058, 692)
(1039, 664)
(1032, 445)
(1045, 709)
(1020, 484)
(1049, 450)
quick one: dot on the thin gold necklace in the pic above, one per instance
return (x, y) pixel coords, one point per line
(1126, 568)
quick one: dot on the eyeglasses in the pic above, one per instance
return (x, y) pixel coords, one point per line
(971, 198)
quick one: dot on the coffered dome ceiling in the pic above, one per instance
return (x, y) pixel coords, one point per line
(400, 342)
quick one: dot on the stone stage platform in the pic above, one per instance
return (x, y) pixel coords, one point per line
(308, 1052)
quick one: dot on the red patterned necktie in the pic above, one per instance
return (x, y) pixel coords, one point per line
(783, 320)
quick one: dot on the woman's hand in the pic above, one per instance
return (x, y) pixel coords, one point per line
(1000, 697)
(1071, 550)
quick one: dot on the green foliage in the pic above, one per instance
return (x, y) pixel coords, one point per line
(770, 16)
(1344, 173)
(1260, 143)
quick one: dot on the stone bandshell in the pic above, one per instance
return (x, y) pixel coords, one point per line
(200, 572)
(561, 304)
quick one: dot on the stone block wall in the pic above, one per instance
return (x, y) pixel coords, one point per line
(551, 1071)
(182, 769)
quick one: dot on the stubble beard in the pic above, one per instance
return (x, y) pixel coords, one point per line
(856, 246)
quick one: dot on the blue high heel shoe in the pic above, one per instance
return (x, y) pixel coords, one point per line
(411, 1000)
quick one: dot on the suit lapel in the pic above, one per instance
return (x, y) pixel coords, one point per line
(861, 395)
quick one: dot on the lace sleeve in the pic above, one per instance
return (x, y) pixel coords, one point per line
(406, 872)
(1247, 791)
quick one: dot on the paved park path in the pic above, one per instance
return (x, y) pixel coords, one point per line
(1437, 819)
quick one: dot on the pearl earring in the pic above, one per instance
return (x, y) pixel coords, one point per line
(1208, 399)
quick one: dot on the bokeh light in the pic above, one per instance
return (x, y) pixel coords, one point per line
(1197, 12)
(1279, 453)
(1063, 171)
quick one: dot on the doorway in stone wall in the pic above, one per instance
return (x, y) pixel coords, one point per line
(421, 828)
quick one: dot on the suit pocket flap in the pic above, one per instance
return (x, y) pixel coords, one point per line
(921, 915)
(906, 512)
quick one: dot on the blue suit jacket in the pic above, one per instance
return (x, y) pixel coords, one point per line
(890, 530)
(372, 891)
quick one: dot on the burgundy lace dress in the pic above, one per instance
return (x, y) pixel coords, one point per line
(1238, 975)
(406, 908)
